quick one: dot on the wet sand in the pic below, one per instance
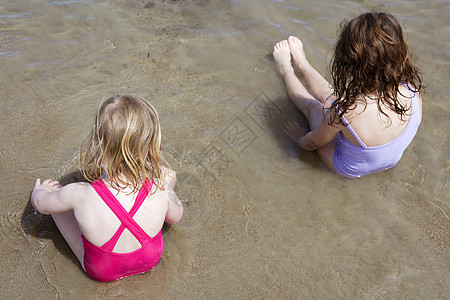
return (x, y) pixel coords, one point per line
(263, 219)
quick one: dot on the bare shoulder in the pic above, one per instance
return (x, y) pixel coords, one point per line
(360, 109)
(406, 94)
(75, 190)
(419, 100)
(77, 186)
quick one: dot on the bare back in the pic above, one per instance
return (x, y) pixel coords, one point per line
(372, 126)
(98, 223)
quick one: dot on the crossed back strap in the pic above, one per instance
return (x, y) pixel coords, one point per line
(126, 218)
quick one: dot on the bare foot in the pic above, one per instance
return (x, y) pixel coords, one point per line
(294, 131)
(296, 48)
(282, 56)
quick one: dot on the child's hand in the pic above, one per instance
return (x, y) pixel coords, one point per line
(47, 186)
(294, 131)
(170, 177)
(46, 198)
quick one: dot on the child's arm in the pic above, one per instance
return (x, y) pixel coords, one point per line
(315, 138)
(175, 208)
(319, 137)
(50, 197)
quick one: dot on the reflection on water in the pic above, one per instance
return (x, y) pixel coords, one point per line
(263, 219)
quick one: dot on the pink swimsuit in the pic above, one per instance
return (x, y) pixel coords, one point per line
(104, 265)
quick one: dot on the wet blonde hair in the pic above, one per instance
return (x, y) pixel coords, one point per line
(124, 143)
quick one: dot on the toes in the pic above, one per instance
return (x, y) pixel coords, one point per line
(293, 40)
(281, 44)
(288, 125)
(277, 46)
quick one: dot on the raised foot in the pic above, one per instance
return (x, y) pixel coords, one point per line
(282, 56)
(296, 48)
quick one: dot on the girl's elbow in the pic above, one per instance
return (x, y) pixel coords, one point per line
(308, 144)
(309, 147)
(37, 204)
(174, 217)
(179, 215)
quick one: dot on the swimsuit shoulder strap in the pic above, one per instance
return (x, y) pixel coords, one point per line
(126, 218)
(346, 124)
(353, 133)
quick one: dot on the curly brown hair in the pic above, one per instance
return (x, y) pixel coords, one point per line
(371, 57)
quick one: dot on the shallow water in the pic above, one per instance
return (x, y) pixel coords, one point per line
(263, 219)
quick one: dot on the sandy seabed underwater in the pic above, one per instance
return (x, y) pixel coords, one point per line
(263, 219)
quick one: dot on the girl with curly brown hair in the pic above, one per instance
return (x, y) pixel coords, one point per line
(364, 122)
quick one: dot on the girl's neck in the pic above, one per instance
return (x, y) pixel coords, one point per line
(122, 183)
(122, 179)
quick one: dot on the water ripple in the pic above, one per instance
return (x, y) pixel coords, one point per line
(61, 3)
(14, 16)
(9, 53)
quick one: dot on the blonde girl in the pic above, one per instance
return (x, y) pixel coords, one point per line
(113, 225)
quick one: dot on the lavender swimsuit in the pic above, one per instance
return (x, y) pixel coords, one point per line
(350, 160)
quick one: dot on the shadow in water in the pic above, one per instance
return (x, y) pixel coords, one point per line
(274, 127)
